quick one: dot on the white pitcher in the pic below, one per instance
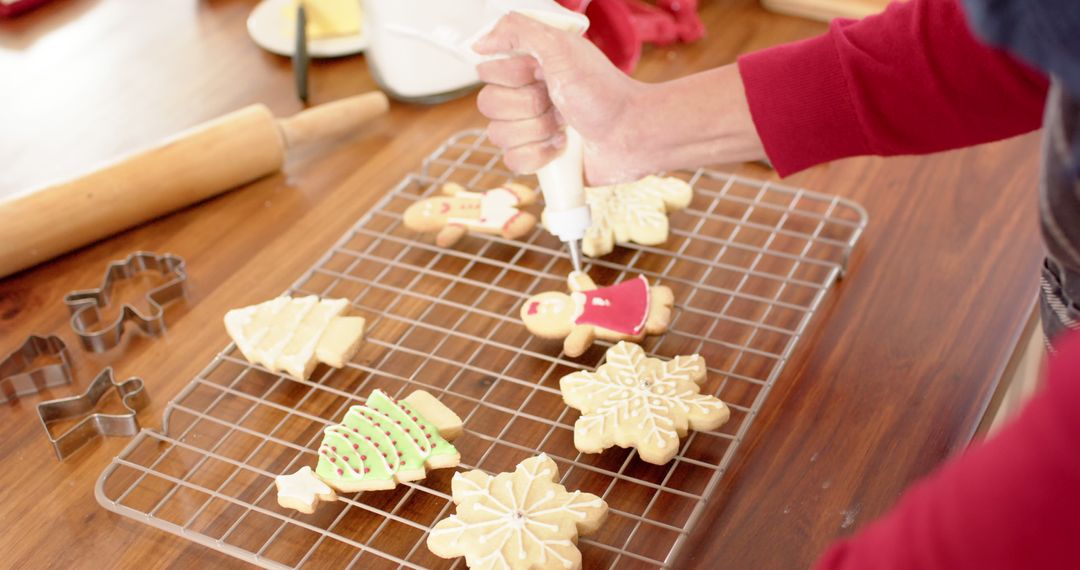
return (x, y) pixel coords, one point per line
(421, 50)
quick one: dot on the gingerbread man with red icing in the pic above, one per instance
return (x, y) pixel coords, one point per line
(458, 211)
(625, 311)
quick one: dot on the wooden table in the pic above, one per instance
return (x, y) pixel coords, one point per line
(893, 377)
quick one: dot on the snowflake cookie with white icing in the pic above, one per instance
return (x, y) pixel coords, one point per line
(636, 401)
(522, 520)
(636, 212)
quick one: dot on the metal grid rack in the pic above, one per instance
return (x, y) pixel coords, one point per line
(749, 262)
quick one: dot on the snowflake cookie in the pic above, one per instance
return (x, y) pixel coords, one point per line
(636, 401)
(636, 212)
(517, 521)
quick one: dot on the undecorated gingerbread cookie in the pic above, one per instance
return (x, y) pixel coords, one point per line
(626, 311)
(636, 401)
(636, 212)
(496, 211)
(293, 334)
(522, 520)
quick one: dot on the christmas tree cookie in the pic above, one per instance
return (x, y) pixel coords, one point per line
(376, 446)
(293, 334)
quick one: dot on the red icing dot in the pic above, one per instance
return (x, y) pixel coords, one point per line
(387, 433)
(416, 441)
(332, 448)
(366, 470)
(407, 430)
(356, 446)
(333, 460)
(427, 435)
(376, 424)
(401, 463)
(384, 456)
(423, 427)
(357, 430)
(414, 418)
(322, 451)
(376, 443)
(399, 454)
(345, 458)
(367, 437)
(363, 458)
(394, 442)
(398, 422)
(340, 472)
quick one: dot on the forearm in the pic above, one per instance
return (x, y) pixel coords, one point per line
(909, 81)
(690, 122)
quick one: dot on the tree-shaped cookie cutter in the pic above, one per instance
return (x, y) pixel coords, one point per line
(132, 396)
(85, 305)
(20, 377)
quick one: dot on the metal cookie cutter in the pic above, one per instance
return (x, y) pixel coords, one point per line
(18, 375)
(132, 395)
(85, 306)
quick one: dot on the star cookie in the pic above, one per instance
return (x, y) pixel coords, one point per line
(302, 490)
(517, 521)
(636, 401)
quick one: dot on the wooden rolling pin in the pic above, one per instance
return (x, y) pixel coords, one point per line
(192, 166)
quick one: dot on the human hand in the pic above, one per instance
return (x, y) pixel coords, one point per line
(556, 78)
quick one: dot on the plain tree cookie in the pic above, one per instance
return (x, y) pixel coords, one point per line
(626, 311)
(523, 520)
(293, 334)
(497, 211)
(645, 403)
(636, 212)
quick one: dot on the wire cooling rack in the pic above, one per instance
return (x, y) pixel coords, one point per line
(748, 261)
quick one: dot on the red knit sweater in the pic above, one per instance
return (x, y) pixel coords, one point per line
(915, 80)
(912, 80)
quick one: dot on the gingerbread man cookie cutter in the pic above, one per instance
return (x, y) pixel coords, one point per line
(19, 376)
(94, 424)
(85, 305)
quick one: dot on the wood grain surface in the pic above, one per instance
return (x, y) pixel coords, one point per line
(892, 378)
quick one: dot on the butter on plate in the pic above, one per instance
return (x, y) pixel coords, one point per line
(326, 18)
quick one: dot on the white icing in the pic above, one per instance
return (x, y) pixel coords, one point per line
(524, 534)
(630, 395)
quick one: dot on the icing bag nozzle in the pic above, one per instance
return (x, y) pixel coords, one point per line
(575, 254)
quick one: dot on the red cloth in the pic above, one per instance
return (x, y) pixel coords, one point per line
(620, 27)
(911, 80)
(1010, 502)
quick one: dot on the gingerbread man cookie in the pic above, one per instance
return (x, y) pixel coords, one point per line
(523, 520)
(636, 212)
(636, 401)
(626, 311)
(496, 211)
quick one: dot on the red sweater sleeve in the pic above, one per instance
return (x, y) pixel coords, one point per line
(911, 80)
(1011, 502)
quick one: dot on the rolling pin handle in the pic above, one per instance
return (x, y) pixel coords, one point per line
(332, 120)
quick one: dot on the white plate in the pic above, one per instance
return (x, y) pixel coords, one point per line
(269, 28)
